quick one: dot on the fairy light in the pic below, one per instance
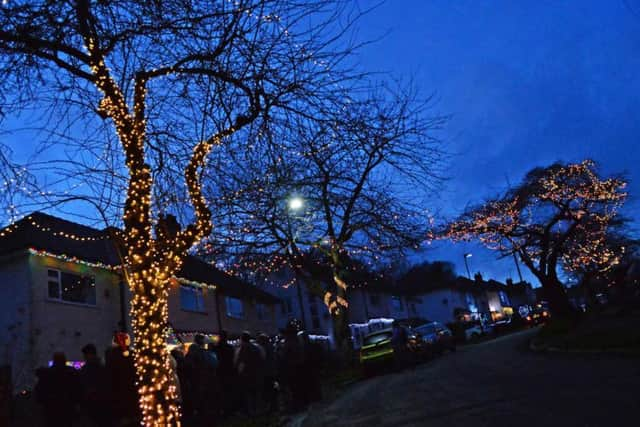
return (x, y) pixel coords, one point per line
(584, 205)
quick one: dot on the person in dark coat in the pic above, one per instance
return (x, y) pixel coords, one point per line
(58, 391)
(121, 372)
(94, 387)
(200, 366)
(226, 374)
(248, 363)
(269, 393)
(312, 369)
(399, 340)
(292, 367)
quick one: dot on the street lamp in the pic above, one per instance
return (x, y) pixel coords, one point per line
(296, 203)
(467, 255)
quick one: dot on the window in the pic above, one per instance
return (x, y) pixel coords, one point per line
(262, 311)
(71, 287)
(377, 338)
(192, 298)
(504, 299)
(286, 306)
(396, 303)
(375, 299)
(235, 307)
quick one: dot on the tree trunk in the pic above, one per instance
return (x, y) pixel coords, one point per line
(157, 393)
(558, 299)
(342, 335)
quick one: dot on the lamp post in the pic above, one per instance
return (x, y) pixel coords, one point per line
(296, 204)
(466, 264)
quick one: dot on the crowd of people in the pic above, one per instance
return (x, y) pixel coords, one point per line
(214, 380)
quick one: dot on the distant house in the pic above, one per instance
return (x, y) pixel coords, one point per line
(449, 301)
(296, 302)
(521, 294)
(461, 299)
(61, 287)
(378, 300)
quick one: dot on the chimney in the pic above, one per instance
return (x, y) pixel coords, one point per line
(509, 282)
(478, 278)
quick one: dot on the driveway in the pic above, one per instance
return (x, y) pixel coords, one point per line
(495, 383)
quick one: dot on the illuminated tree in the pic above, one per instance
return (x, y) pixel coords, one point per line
(363, 168)
(134, 95)
(557, 217)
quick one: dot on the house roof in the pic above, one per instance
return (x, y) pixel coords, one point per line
(61, 237)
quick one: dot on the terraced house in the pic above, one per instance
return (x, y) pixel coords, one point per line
(61, 286)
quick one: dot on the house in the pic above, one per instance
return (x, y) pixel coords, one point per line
(449, 301)
(369, 298)
(61, 286)
(521, 294)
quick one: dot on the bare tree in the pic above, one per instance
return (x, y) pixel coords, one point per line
(351, 183)
(134, 95)
(558, 216)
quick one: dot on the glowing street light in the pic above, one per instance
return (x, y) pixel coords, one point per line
(296, 203)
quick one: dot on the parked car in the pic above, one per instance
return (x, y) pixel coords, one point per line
(475, 330)
(436, 338)
(376, 349)
(501, 326)
(539, 314)
(377, 352)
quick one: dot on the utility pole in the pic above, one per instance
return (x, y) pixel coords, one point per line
(468, 255)
(515, 259)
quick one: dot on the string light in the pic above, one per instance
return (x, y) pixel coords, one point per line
(580, 207)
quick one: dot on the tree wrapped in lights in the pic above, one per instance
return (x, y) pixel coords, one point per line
(363, 166)
(558, 217)
(134, 96)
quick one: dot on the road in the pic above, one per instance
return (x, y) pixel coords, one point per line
(495, 383)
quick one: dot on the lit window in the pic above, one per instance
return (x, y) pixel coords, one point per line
(71, 287)
(235, 307)
(504, 298)
(192, 298)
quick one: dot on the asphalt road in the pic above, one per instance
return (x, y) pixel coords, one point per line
(495, 383)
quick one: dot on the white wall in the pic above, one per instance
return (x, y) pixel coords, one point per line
(439, 305)
(67, 327)
(15, 318)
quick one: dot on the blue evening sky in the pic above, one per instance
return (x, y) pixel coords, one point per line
(527, 83)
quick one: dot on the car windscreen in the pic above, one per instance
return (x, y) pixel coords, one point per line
(426, 329)
(376, 338)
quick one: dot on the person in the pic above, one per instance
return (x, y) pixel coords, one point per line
(312, 366)
(269, 391)
(292, 367)
(214, 406)
(121, 371)
(58, 391)
(175, 379)
(399, 344)
(200, 367)
(248, 364)
(94, 388)
(226, 373)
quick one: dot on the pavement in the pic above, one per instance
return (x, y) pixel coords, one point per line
(494, 383)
